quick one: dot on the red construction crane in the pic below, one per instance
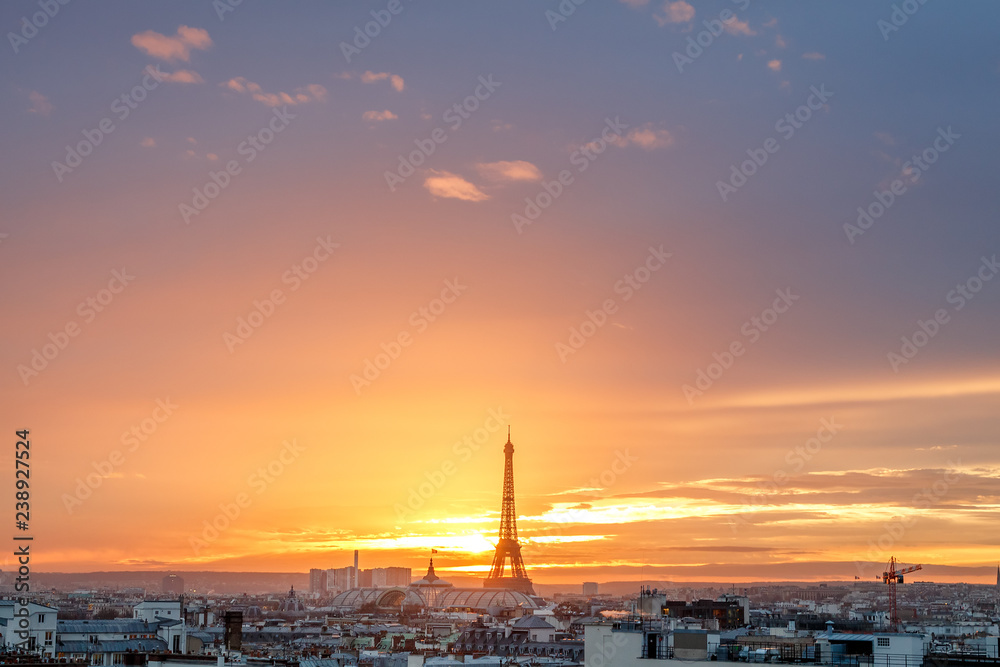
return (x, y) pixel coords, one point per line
(892, 576)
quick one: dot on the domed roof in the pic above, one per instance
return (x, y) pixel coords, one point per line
(484, 599)
(431, 579)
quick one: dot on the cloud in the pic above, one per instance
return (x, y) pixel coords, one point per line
(394, 79)
(774, 65)
(452, 186)
(734, 26)
(675, 12)
(173, 48)
(377, 116)
(517, 170)
(148, 142)
(814, 55)
(308, 93)
(181, 76)
(39, 104)
(780, 42)
(648, 137)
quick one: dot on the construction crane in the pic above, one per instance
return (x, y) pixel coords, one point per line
(892, 576)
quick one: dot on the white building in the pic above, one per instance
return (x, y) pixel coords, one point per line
(106, 642)
(36, 621)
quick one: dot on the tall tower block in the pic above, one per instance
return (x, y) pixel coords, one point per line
(508, 548)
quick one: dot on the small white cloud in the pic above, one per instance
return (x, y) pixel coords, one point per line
(675, 12)
(517, 170)
(774, 65)
(308, 93)
(39, 104)
(212, 156)
(780, 42)
(648, 137)
(452, 186)
(148, 142)
(192, 140)
(181, 76)
(734, 26)
(394, 79)
(378, 116)
(177, 47)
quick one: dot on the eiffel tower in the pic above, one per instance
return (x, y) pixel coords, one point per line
(508, 547)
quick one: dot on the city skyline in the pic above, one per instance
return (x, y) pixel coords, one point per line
(277, 279)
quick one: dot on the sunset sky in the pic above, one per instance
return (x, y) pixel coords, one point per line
(725, 268)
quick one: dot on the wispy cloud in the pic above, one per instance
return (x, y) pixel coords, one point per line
(814, 55)
(177, 47)
(378, 116)
(39, 104)
(181, 76)
(394, 79)
(148, 142)
(309, 93)
(452, 186)
(517, 170)
(774, 65)
(647, 136)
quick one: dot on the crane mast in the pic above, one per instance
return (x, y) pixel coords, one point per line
(892, 576)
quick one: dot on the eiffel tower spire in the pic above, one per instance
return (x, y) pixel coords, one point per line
(508, 548)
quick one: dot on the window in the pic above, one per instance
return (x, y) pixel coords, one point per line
(97, 659)
(118, 659)
(41, 618)
(48, 638)
(883, 641)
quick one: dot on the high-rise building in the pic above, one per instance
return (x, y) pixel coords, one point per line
(317, 582)
(590, 588)
(340, 579)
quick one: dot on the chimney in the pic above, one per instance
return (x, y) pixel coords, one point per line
(356, 577)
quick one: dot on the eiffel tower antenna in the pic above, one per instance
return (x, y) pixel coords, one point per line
(508, 548)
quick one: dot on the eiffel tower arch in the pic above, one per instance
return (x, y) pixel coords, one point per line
(513, 576)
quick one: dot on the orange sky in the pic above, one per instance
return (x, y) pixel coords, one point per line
(699, 387)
